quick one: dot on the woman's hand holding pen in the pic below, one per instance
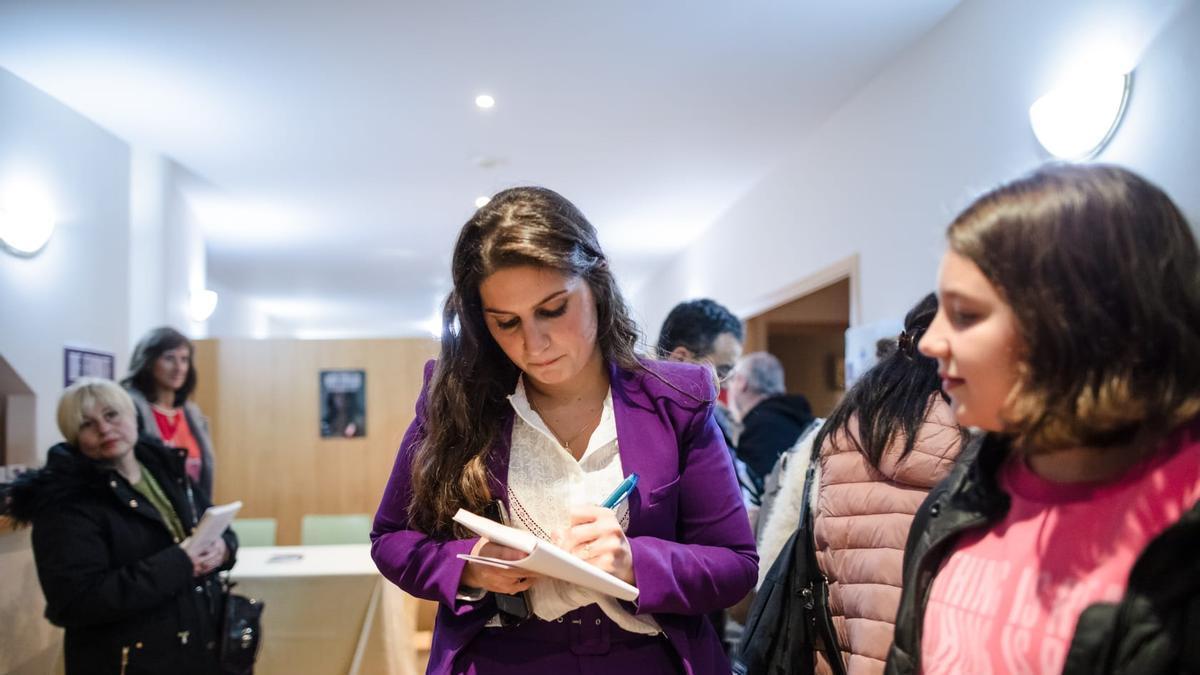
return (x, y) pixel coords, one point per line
(496, 579)
(597, 537)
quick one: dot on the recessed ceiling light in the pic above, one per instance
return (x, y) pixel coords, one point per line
(481, 202)
(484, 101)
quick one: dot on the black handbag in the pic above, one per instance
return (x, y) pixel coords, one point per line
(241, 632)
(790, 619)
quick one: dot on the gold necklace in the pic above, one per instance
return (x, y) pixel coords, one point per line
(566, 444)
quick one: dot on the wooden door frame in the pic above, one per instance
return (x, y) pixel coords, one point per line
(844, 269)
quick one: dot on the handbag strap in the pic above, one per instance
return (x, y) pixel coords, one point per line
(814, 460)
(817, 605)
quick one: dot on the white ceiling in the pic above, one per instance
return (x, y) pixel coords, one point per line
(340, 149)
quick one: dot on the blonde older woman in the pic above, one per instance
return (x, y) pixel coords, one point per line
(111, 516)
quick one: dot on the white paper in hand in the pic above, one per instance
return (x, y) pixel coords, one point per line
(543, 557)
(212, 525)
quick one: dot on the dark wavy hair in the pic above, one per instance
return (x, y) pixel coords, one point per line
(147, 351)
(893, 396)
(466, 403)
(1103, 275)
(696, 324)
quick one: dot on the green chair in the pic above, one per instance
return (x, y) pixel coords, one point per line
(254, 531)
(323, 530)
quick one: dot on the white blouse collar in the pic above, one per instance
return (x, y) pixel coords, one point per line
(606, 431)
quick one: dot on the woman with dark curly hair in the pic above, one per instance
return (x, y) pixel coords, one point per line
(539, 401)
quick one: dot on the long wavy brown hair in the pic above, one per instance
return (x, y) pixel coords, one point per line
(466, 404)
(1103, 274)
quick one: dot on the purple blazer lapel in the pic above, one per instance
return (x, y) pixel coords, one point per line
(646, 442)
(647, 445)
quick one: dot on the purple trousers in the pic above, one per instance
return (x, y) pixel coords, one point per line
(583, 642)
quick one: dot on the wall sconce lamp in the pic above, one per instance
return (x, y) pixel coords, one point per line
(202, 305)
(1075, 121)
(26, 220)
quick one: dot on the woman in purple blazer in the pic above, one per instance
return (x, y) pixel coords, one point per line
(538, 407)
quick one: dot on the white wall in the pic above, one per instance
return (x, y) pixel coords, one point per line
(168, 261)
(77, 289)
(186, 269)
(168, 257)
(125, 257)
(948, 119)
(149, 179)
(236, 316)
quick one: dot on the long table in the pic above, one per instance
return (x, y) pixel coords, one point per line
(328, 610)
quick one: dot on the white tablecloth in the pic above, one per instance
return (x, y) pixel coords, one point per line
(328, 610)
(275, 562)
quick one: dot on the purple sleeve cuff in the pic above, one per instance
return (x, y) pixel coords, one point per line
(424, 567)
(689, 578)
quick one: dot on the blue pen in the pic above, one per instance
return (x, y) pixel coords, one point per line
(621, 493)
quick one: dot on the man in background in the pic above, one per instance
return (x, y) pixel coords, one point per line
(771, 420)
(703, 331)
(706, 332)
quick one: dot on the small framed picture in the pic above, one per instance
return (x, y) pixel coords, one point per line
(343, 403)
(79, 363)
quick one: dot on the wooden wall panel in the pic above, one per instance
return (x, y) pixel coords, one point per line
(261, 397)
(805, 332)
(204, 361)
(806, 362)
(756, 335)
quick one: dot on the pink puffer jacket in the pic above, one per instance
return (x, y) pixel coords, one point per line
(861, 525)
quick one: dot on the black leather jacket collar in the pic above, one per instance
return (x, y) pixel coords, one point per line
(1153, 629)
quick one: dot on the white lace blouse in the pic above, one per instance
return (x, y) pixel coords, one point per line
(544, 481)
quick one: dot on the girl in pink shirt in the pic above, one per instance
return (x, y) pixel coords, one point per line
(1068, 539)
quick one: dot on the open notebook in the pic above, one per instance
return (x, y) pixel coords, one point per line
(543, 557)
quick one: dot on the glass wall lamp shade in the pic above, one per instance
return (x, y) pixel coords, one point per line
(202, 305)
(1075, 121)
(25, 226)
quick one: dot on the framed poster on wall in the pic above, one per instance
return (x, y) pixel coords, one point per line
(343, 403)
(79, 362)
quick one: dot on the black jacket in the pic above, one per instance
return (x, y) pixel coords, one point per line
(1155, 628)
(770, 428)
(109, 567)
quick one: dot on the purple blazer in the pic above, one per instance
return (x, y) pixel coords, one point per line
(693, 552)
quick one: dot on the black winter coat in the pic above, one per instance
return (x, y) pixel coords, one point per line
(110, 569)
(1154, 629)
(768, 430)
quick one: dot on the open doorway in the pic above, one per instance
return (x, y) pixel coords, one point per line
(18, 410)
(807, 334)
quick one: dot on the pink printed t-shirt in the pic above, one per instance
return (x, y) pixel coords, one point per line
(1008, 598)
